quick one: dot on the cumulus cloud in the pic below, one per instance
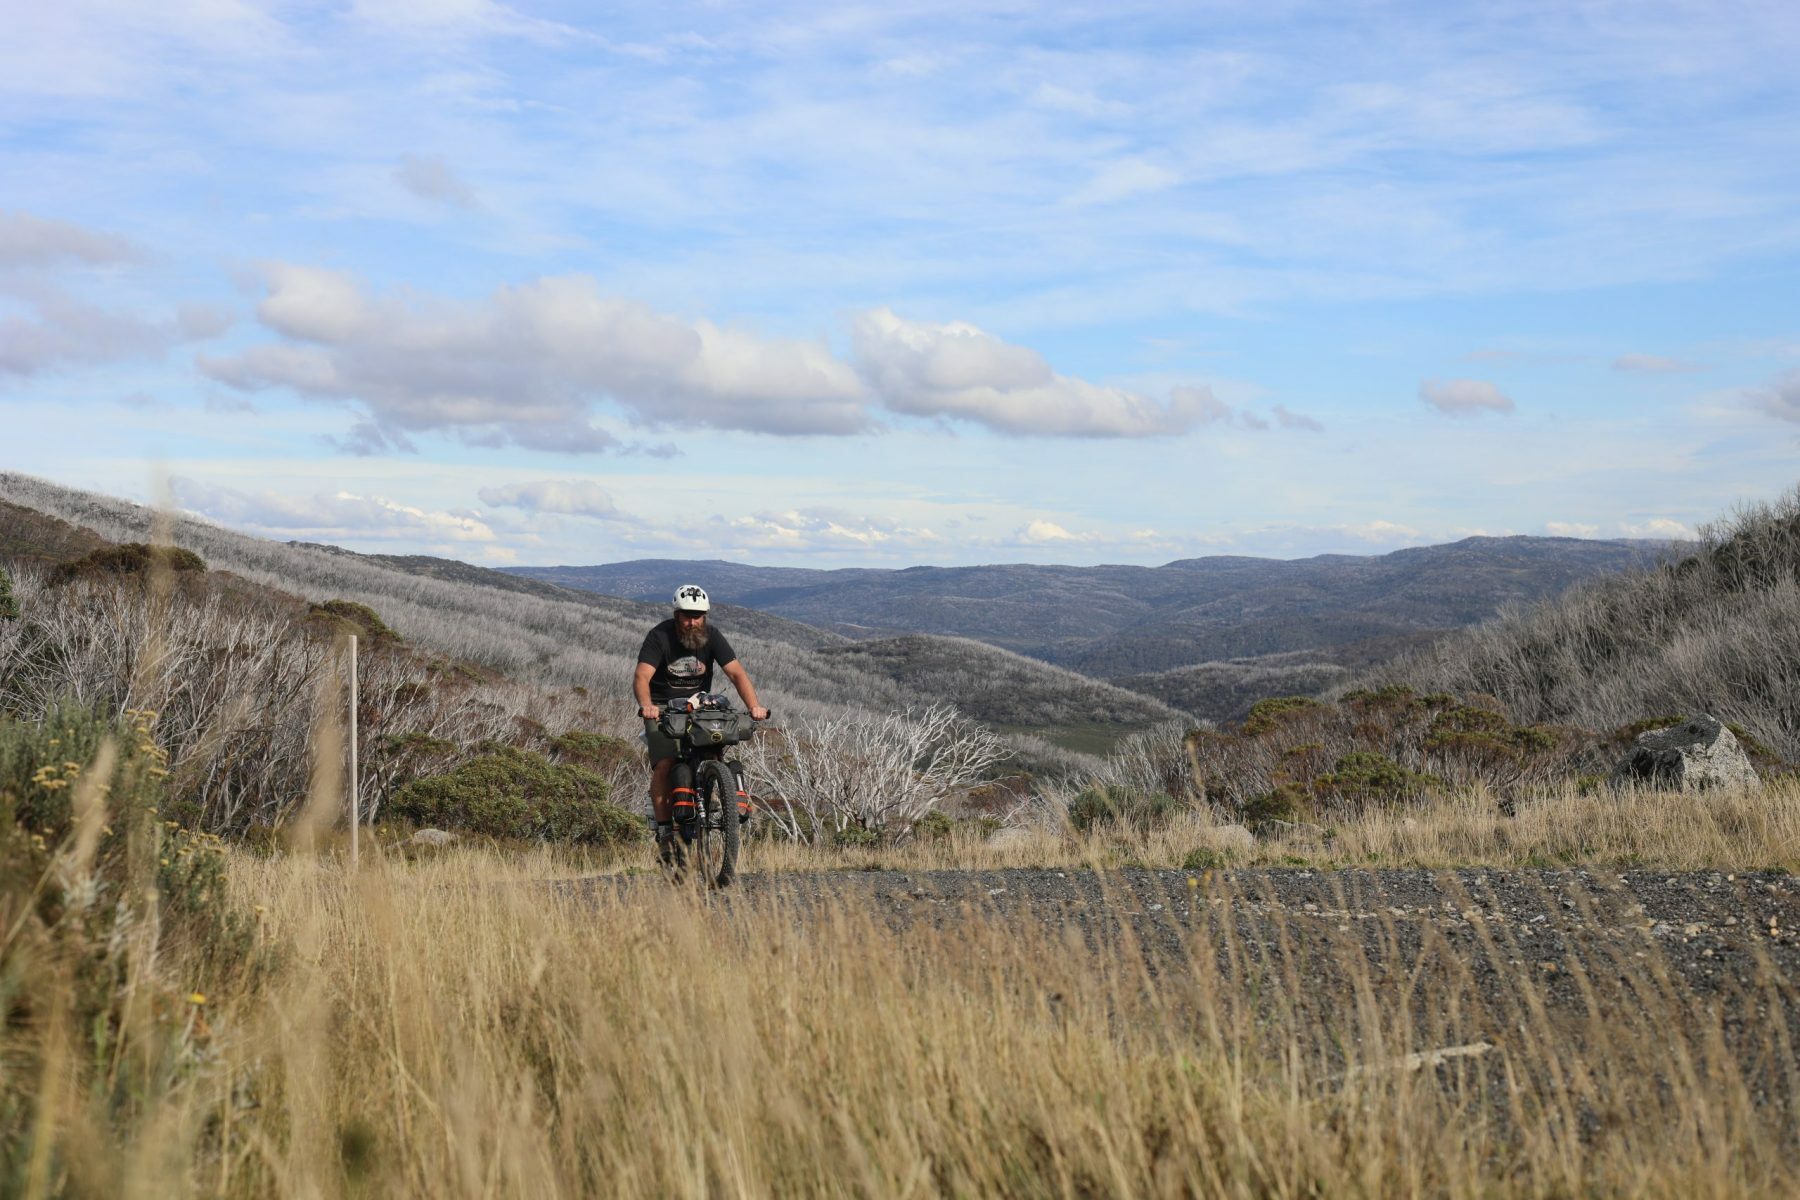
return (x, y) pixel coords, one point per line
(1464, 397)
(1572, 529)
(1380, 532)
(1660, 528)
(333, 517)
(61, 330)
(814, 529)
(958, 371)
(528, 365)
(1780, 397)
(1654, 364)
(31, 241)
(431, 178)
(571, 497)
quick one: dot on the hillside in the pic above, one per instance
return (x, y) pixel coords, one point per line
(1009, 691)
(1114, 621)
(521, 630)
(1715, 631)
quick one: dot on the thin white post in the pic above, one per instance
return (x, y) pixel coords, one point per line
(355, 785)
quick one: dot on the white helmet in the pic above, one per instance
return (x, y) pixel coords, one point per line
(691, 597)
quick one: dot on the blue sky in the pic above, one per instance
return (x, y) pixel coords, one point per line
(904, 283)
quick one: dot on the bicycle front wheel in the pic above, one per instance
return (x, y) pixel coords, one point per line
(716, 843)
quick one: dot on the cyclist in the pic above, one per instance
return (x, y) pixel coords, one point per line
(677, 660)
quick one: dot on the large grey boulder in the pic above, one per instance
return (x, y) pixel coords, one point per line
(433, 837)
(1698, 755)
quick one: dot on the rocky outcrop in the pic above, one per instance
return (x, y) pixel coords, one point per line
(1700, 754)
(433, 837)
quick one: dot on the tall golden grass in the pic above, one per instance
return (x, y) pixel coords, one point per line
(456, 1028)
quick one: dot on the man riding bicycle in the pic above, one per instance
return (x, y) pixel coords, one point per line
(676, 662)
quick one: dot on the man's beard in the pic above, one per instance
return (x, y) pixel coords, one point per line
(692, 637)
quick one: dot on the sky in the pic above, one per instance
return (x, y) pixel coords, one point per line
(912, 282)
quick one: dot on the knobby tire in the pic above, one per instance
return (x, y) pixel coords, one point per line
(715, 784)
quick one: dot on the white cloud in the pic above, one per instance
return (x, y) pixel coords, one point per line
(329, 517)
(572, 497)
(530, 364)
(959, 371)
(811, 530)
(1043, 533)
(31, 241)
(1654, 364)
(61, 330)
(1380, 532)
(1294, 420)
(1123, 179)
(1571, 529)
(1658, 527)
(1780, 397)
(431, 178)
(1464, 397)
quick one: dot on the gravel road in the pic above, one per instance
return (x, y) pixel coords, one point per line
(1577, 948)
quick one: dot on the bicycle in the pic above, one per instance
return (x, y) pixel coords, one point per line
(710, 803)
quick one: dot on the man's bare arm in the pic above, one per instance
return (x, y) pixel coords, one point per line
(640, 687)
(740, 679)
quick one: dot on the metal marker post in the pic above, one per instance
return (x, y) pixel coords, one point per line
(355, 787)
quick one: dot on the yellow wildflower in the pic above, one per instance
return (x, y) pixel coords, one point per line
(196, 998)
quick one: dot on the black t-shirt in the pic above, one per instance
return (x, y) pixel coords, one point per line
(680, 671)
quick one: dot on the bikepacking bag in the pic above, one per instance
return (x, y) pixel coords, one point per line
(713, 728)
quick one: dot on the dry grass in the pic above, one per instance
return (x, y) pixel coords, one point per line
(449, 1029)
(1742, 831)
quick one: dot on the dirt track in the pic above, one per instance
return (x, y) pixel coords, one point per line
(1581, 949)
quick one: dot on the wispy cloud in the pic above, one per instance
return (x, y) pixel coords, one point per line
(572, 497)
(1780, 397)
(1464, 397)
(431, 178)
(1654, 364)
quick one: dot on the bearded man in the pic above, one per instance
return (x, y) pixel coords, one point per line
(677, 660)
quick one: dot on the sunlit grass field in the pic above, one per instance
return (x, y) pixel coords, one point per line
(452, 1026)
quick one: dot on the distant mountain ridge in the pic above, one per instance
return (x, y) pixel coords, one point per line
(1115, 621)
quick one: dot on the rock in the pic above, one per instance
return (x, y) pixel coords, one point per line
(1698, 755)
(1293, 831)
(1232, 839)
(433, 837)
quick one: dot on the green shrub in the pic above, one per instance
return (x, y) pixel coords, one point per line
(1365, 777)
(1206, 858)
(1113, 804)
(1266, 715)
(506, 792)
(349, 617)
(856, 836)
(9, 607)
(1286, 803)
(143, 926)
(597, 751)
(130, 558)
(934, 827)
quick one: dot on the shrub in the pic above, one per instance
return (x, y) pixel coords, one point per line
(596, 751)
(1364, 777)
(510, 793)
(1207, 858)
(129, 558)
(1285, 803)
(934, 827)
(349, 617)
(1110, 804)
(9, 607)
(1268, 714)
(117, 927)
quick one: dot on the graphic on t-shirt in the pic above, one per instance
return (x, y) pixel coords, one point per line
(687, 668)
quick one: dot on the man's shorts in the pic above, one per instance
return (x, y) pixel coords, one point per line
(660, 744)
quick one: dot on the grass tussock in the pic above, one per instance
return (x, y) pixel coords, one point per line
(448, 1029)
